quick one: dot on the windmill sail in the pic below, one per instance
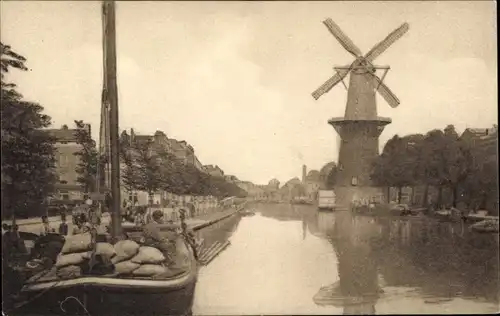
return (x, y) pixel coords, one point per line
(343, 39)
(330, 83)
(388, 41)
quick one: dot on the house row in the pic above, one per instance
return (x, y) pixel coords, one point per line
(67, 187)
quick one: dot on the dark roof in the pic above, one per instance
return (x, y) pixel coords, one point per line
(142, 138)
(62, 135)
(69, 187)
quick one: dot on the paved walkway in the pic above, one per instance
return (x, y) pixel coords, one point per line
(34, 225)
(207, 219)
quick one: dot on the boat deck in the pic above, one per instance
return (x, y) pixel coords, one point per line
(51, 276)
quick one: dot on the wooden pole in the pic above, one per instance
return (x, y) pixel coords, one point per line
(112, 97)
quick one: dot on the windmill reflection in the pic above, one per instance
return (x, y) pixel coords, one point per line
(358, 289)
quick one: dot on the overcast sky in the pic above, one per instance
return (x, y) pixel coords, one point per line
(234, 79)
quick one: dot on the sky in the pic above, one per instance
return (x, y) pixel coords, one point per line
(234, 79)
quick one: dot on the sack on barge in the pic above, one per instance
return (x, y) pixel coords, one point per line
(148, 270)
(77, 243)
(70, 259)
(148, 255)
(105, 249)
(125, 250)
(126, 267)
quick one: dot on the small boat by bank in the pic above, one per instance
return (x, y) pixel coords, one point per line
(246, 212)
(485, 226)
(479, 217)
(448, 215)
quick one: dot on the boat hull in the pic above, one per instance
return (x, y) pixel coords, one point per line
(104, 300)
(112, 296)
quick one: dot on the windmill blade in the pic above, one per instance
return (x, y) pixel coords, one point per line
(385, 92)
(388, 41)
(342, 37)
(330, 83)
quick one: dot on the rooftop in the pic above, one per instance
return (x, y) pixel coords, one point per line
(63, 134)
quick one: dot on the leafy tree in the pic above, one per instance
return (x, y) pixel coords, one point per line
(129, 171)
(150, 176)
(395, 166)
(457, 162)
(88, 158)
(447, 161)
(480, 188)
(332, 177)
(28, 176)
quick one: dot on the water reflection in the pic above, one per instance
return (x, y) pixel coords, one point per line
(435, 267)
(292, 259)
(443, 259)
(357, 290)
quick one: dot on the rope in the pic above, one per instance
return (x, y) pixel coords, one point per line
(76, 299)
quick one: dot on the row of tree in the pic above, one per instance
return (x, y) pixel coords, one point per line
(28, 162)
(151, 169)
(443, 160)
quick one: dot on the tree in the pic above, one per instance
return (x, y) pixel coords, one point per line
(28, 162)
(88, 158)
(150, 175)
(480, 188)
(332, 177)
(395, 166)
(129, 171)
(458, 162)
(447, 161)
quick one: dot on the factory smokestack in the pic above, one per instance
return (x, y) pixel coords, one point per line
(304, 173)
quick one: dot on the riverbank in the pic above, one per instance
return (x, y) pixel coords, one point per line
(33, 225)
(209, 219)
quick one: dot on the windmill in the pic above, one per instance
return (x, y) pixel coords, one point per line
(360, 127)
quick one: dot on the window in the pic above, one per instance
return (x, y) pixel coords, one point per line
(64, 195)
(354, 181)
(63, 160)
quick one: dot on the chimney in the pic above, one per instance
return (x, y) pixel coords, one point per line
(88, 129)
(132, 136)
(304, 173)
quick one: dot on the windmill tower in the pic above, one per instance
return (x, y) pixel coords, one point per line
(360, 127)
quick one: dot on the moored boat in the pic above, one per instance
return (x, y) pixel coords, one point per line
(486, 226)
(246, 212)
(46, 293)
(104, 290)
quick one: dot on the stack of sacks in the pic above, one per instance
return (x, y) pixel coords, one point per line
(128, 258)
(76, 250)
(76, 253)
(141, 261)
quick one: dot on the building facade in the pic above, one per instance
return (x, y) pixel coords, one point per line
(214, 171)
(67, 186)
(160, 142)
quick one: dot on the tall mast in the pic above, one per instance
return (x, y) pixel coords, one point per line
(111, 95)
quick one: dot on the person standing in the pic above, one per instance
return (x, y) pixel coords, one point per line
(63, 227)
(140, 216)
(6, 241)
(46, 229)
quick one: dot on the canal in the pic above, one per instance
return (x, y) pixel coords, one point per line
(292, 259)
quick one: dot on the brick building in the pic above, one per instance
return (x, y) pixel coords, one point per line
(180, 149)
(67, 187)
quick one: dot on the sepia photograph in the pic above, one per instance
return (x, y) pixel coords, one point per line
(249, 158)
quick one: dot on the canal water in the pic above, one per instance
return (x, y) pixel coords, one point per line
(292, 259)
